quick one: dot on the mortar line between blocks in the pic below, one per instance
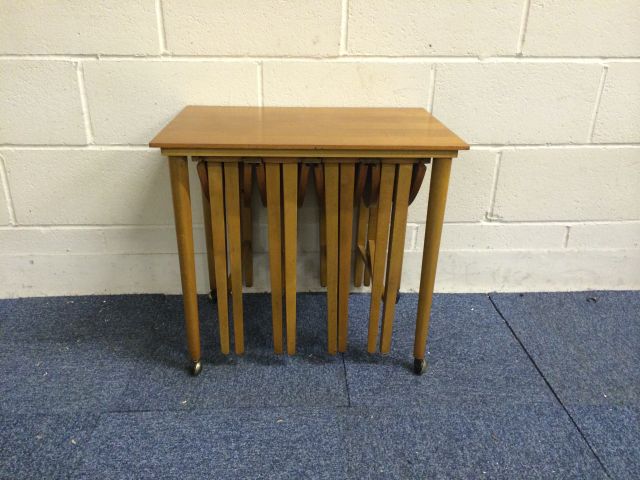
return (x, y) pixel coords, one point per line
(596, 107)
(524, 21)
(261, 84)
(432, 87)
(84, 104)
(494, 187)
(344, 27)
(478, 146)
(548, 384)
(565, 241)
(74, 57)
(4, 179)
(162, 33)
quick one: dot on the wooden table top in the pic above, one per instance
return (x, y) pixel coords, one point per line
(303, 129)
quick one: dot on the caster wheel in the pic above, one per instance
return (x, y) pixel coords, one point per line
(213, 297)
(196, 368)
(419, 366)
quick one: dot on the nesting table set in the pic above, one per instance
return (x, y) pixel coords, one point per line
(365, 160)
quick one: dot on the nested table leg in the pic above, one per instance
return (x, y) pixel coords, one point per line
(290, 204)
(361, 242)
(435, 218)
(318, 178)
(380, 253)
(216, 197)
(371, 232)
(347, 178)
(232, 207)
(206, 210)
(184, 232)
(247, 224)
(331, 198)
(275, 250)
(396, 250)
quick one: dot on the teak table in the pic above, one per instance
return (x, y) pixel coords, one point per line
(374, 158)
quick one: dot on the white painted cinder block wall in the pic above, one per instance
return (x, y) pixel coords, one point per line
(547, 92)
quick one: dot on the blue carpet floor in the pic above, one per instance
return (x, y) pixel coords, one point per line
(518, 386)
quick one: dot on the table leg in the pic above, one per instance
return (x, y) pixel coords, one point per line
(347, 178)
(247, 225)
(206, 210)
(381, 238)
(361, 242)
(396, 250)
(232, 206)
(371, 231)
(331, 197)
(433, 231)
(216, 197)
(318, 177)
(179, 172)
(290, 204)
(275, 250)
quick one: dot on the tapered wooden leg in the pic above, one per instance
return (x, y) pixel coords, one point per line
(331, 196)
(247, 245)
(361, 242)
(247, 226)
(216, 198)
(371, 232)
(433, 232)
(396, 250)
(290, 204)
(347, 178)
(318, 177)
(275, 250)
(232, 204)
(380, 240)
(206, 210)
(179, 172)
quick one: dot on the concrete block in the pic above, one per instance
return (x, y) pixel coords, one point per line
(517, 103)
(415, 27)
(343, 84)
(130, 101)
(107, 27)
(246, 27)
(618, 117)
(577, 28)
(40, 103)
(569, 184)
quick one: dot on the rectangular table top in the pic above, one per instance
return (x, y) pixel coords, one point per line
(303, 129)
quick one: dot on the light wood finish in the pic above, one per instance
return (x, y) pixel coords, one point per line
(290, 209)
(303, 182)
(179, 172)
(380, 240)
(371, 231)
(396, 250)
(255, 128)
(318, 178)
(399, 155)
(247, 245)
(216, 198)
(433, 231)
(206, 210)
(361, 239)
(247, 225)
(347, 184)
(275, 250)
(331, 198)
(232, 207)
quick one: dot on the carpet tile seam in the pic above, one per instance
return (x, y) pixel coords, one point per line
(549, 386)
